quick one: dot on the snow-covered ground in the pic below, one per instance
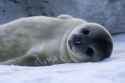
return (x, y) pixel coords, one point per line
(111, 70)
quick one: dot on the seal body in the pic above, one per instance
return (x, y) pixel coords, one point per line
(40, 40)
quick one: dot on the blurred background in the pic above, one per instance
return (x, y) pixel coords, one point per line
(109, 13)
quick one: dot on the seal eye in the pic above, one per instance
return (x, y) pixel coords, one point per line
(89, 51)
(85, 31)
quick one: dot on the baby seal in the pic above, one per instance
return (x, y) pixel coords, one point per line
(40, 40)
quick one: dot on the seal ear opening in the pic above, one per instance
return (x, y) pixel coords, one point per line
(89, 52)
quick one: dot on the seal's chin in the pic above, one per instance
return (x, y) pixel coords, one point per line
(90, 42)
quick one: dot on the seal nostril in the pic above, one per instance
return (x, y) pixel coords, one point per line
(85, 31)
(89, 51)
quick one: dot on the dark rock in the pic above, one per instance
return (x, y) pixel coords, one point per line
(109, 13)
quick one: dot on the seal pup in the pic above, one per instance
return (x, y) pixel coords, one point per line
(41, 40)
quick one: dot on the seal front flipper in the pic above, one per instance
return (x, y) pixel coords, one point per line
(34, 57)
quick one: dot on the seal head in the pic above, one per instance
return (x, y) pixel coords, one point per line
(89, 42)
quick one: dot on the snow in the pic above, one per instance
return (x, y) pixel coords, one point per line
(111, 70)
